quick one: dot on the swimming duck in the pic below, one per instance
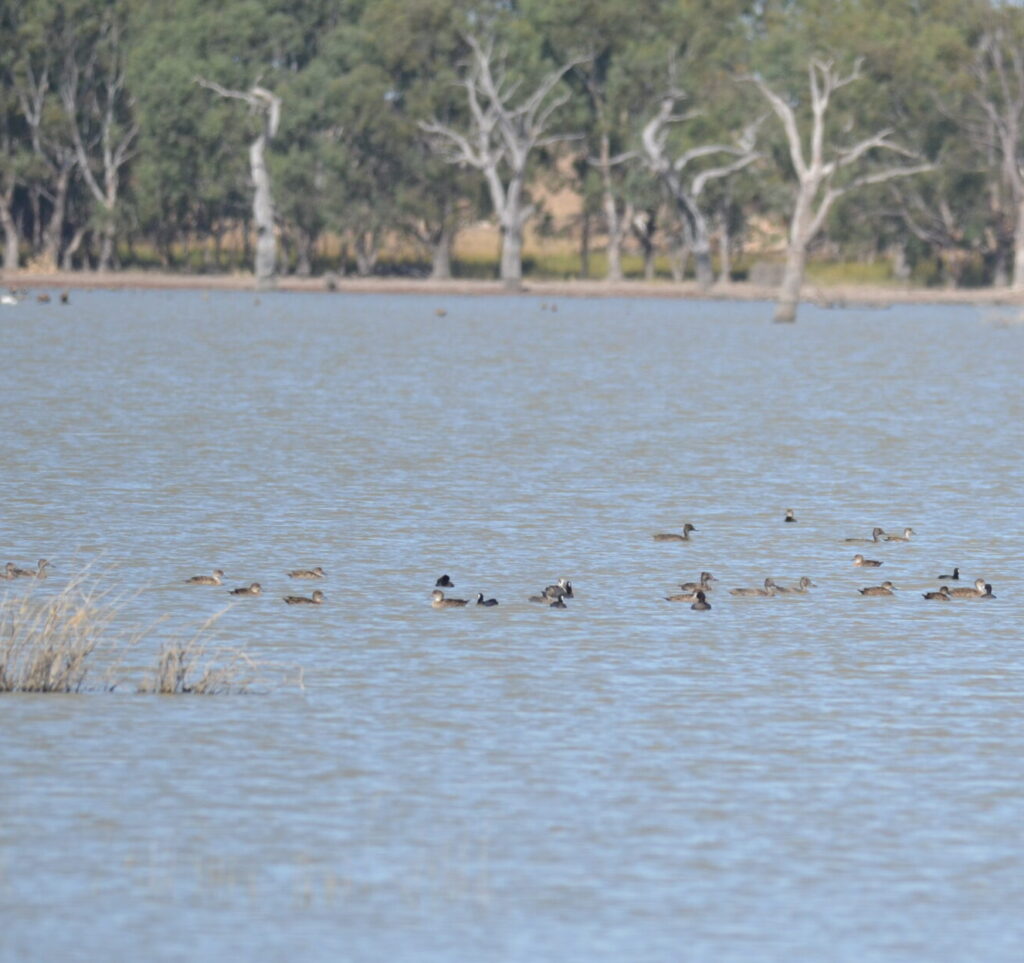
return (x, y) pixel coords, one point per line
(564, 587)
(444, 582)
(557, 604)
(980, 588)
(702, 604)
(214, 579)
(704, 585)
(905, 537)
(253, 589)
(673, 537)
(317, 572)
(886, 588)
(38, 572)
(954, 577)
(790, 517)
(440, 602)
(683, 596)
(9, 571)
(862, 562)
(800, 588)
(480, 600)
(767, 592)
(876, 536)
(942, 594)
(317, 599)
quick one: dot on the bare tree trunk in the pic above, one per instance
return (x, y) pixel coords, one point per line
(268, 106)
(441, 253)
(54, 229)
(1017, 281)
(678, 258)
(10, 229)
(67, 258)
(724, 247)
(613, 224)
(585, 244)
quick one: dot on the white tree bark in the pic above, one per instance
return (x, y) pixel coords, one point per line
(999, 93)
(686, 196)
(99, 107)
(268, 106)
(505, 130)
(816, 174)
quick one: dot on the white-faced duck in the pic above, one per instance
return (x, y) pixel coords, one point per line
(674, 537)
(905, 537)
(800, 588)
(444, 582)
(254, 589)
(317, 572)
(876, 536)
(861, 562)
(702, 604)
(316, 599)
(562, 589)
(480, 600)
(955, 577)
(215, 579)
(440, 602)
(769, 590)
(886, 588)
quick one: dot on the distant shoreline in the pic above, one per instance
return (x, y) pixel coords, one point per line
(839, 296)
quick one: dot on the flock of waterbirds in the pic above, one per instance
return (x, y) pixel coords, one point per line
(254, 588)
(696, 592)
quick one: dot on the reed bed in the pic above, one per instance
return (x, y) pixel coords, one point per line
(68, 641)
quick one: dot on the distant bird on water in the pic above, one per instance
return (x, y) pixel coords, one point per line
(675, 537)
(563, 588)
(480, 600)
(444, 582)
(955, 577)
(861, 562)
(886, 588)
(876, 536)
(253, 589)
(317, 572)
(317, 599)
(905, 537)
(702, 604)
(438, 601)
(768, 591)
(215, 579)
(941, 595)
(790, 517)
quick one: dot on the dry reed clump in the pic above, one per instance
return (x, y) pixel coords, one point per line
(50, 642)
(47, 642)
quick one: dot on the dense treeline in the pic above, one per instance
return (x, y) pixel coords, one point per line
(172, 129)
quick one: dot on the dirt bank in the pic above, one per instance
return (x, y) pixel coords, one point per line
(837, 296)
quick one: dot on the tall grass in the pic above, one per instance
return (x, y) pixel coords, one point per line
(68, 642)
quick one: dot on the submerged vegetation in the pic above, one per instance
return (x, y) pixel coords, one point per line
(70, 640)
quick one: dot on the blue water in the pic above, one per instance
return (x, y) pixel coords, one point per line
(809, 778)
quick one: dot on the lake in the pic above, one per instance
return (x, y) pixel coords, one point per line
(816, 777)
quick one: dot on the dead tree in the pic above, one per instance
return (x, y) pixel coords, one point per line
(268, 106)
(824, 172)
(686, 193)
(505, 129)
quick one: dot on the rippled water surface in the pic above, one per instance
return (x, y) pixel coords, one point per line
(826, 777)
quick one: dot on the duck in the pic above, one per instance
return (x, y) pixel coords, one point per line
(876, 536)
(480, 600)
(690, 596)
(557, 604)
(444, 582)
(790, 515)
(316, 599)
(767, 592)
(440, 602)
(673, 537)
(43, 298)
(38, 572)
(214, 579)
(563, 588)
(9, 571)
(886, 588)
(253, 589)
(702, 604)
(317, 572)
(981, 587)
(704, 585)
(862, 562)
(955, 577)
(941, 595)
(800, 588)
(905, 537)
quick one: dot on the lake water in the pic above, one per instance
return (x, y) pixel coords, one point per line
(827, 777)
